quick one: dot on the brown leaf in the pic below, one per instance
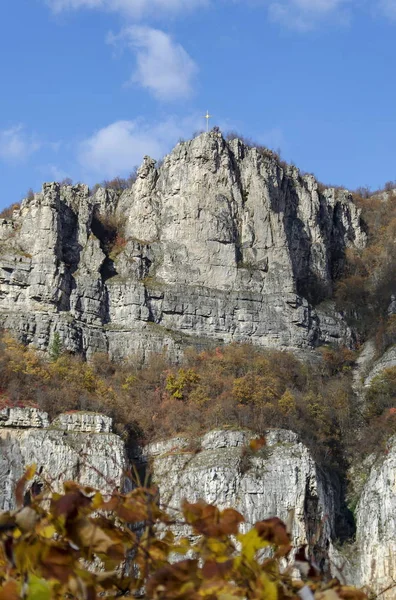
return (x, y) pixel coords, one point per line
(87, 534)
(7, 522)
(139, 505)
(20, 486)
(70, 504)
(9, 591)
(213, 569)
(349, 593)
(274, 531)
(210, 521)
(258, 443)
(177, 582)
(58, 563)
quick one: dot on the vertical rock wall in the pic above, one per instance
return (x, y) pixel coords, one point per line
(78, 446)
(221, 243)
(281, 480)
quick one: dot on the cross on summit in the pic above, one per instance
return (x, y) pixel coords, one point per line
(207, 117)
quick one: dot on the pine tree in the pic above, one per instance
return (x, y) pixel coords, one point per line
(56, 347)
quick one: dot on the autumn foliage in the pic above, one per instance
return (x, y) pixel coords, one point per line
(82, 544)
(238, 386)
(365, 290)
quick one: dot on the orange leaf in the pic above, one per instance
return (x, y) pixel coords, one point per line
(210, 521)
(9, 591)
(274, 531)
(258, 443)
(20, 486)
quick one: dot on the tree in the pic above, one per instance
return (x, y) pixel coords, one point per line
(56, 347)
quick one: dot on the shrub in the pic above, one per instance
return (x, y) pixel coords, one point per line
(67, 181)
(109, 229)
(364, 291)
(56, 347)
(233, 386)
(120, 183)
(7, 213)
(51, 549)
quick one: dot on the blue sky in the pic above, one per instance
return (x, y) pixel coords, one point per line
(90, 86)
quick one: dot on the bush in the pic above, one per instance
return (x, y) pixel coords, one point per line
(237, 386)
(109, 229)
(263, 150)
(7, 213)
(52, 548)
(364, 291)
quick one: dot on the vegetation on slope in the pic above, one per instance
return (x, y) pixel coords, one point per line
(365, 291)
(234, 386)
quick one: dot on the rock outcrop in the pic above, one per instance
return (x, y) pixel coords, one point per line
(220, 243)
(386, 361)
(76, 446)
(281, 480)
(371, 559)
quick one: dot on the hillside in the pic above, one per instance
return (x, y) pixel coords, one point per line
(219, 295)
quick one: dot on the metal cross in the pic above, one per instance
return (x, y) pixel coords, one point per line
(207, 117)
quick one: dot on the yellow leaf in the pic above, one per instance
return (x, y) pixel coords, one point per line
(251, 542)
(48, 532)
(97, 501)
(268, 588)
(39, 589)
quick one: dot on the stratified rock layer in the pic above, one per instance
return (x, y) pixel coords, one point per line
(69, 449)
(221, 243)
(281, 480)
(374, 560)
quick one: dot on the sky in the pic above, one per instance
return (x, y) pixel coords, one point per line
(88, 87)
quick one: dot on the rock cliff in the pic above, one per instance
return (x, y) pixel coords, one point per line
(371, 558)
(77, 446)
(281, 480)
(219, 243)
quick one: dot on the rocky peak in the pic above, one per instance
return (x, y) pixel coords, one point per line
(219, 243)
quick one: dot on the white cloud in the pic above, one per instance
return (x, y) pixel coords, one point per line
(388, 7)
(273, 138)
(133, 8)
(295, 14)
(162, 66)
(53, 173)
(306, 14)
(16, 145)
(117, 148)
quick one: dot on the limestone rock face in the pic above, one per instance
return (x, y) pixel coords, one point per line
(221, 243)
(374, 562)
(23, 417)
(87, 422)
(386, 361)
(281, 480)
(81, 448)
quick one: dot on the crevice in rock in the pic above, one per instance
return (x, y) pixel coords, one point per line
(108, 270)
(70, 247)
(106, 232)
